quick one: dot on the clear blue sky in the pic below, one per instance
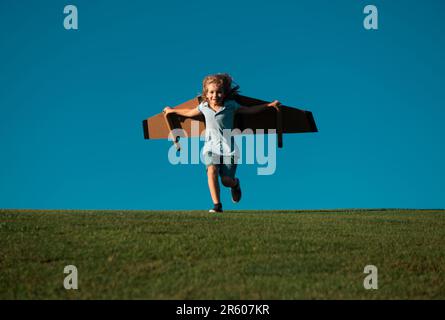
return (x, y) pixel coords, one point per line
(72, 102)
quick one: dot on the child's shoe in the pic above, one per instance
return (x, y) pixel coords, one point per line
(236, 192)
(216, 208)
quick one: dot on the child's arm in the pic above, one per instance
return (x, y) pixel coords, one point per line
(189, 113)
(258, 108)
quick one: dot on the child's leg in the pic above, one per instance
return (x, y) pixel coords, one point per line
(229, 182)
(228, 171)
(212, 177)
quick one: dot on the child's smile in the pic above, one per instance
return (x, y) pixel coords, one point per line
(215, 95)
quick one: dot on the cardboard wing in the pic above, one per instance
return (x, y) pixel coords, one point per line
(283, 119)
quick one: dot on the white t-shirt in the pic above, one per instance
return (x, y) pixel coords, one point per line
(219, 126)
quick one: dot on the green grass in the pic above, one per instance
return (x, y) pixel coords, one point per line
(235, 255)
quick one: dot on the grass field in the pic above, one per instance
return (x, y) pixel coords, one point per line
(234, 255)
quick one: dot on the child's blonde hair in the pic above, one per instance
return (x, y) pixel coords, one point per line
(221, 79)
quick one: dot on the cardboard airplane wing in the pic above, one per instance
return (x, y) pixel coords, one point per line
(283, 119)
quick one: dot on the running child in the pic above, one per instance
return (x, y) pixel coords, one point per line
(220, 155)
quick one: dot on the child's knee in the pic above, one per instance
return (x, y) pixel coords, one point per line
(212, 170)
(227, 181)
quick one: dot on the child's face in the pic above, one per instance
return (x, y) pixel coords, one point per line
(215, 94)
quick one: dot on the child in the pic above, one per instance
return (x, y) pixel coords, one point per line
(219, 110)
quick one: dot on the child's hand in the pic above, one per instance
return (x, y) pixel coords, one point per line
(274, 104)
(168, 110)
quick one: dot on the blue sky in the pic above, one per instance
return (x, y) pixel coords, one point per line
(72, 102)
